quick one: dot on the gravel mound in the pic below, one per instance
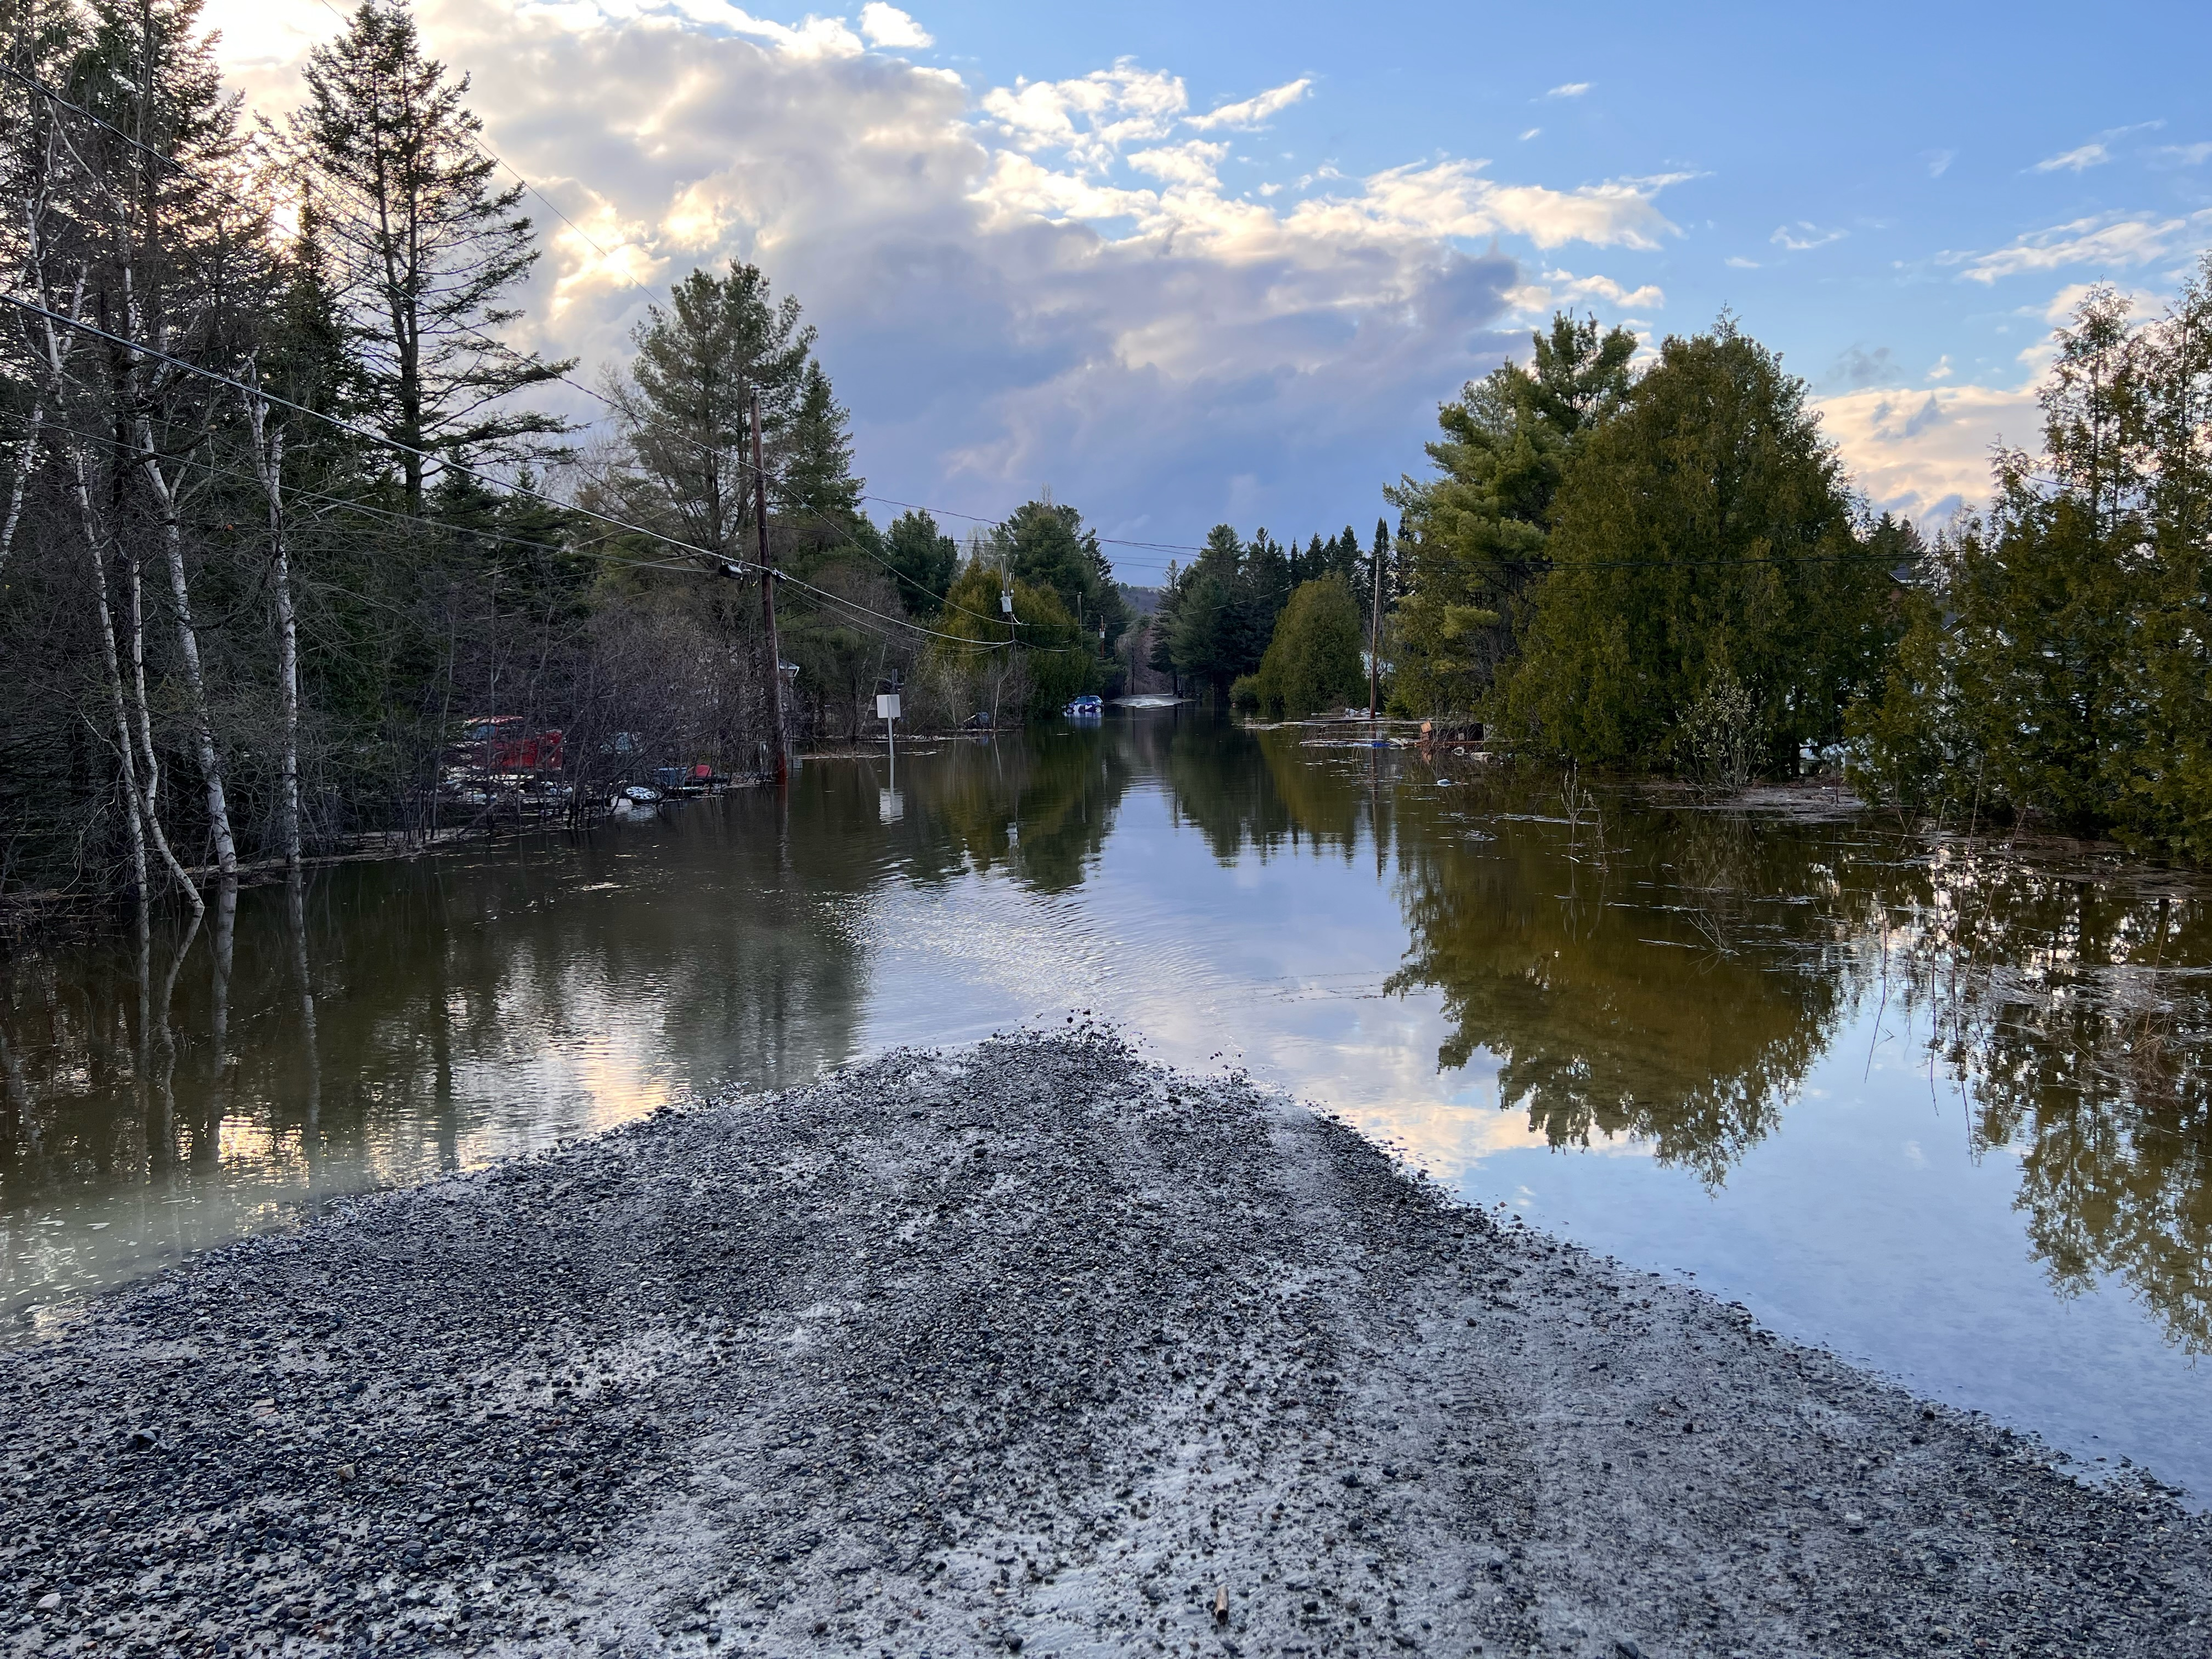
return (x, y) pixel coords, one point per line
(1031, 1348)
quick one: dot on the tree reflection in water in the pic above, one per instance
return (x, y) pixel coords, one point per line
(1672, 976)
(1680, 991)
(2071, 997)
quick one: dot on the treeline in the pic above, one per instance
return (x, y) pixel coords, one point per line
(1269, 628)
(1668, 569)
(292, 551)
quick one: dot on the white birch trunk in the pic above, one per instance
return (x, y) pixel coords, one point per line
(269, 458)
(188, 648)
(172, 547)
(27, 457)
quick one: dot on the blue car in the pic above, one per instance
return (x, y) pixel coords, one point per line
(1085, 707)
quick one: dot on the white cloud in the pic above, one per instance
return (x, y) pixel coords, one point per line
(1925, 454)
(2110, 240)
(1939, 161)
(890, 27)
(1560, 288)
(1044, 281)
(1092, 116)
(1803, 236)
(1943, 371)
(1194, 165)
(1253, 111)
(2079, 159)
(2187, 155)
(1531, 133)
(1571, 89)
(1737, 262)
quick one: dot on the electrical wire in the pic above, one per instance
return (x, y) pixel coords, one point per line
(739, 463)
(604, 555)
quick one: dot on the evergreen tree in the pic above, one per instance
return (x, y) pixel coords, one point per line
(1314, 660)
(683, 411)
(818, 471)
(1475, 536)
(1343, 561)
(1045, 544)
(924, 559)
(2057, 656)
(1701, 558)
(429, 245)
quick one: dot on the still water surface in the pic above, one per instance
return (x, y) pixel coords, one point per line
(1943, 1107)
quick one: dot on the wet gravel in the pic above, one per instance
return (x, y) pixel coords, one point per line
(1033, 1348)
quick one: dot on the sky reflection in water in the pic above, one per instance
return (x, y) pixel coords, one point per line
(1944, 1109)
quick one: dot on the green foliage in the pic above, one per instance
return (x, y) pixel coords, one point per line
(683, 407)
(430, 246)
(1045, 544)
(817, 497)
(923, 559)
(1700, 534)
(1474, 537)
(1048, 661)
(1312, 662)
(1217, 617)
(1904, 744)
(2058, 661)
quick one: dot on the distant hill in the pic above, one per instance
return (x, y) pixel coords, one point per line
(1142, 601)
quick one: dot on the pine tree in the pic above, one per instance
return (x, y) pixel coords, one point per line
(682, 410)
(1475, 536)
(1046, 544)
(2059, 651)
(425, 245)
(925, 560)
(818, 450)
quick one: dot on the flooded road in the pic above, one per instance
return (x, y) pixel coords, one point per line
(1942, 1107)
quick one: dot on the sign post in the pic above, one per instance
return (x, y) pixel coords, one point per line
(887, 711)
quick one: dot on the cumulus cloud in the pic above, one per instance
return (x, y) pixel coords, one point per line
(1252, 113)
(892, 29)
(1043, 281)
(1925, 454)
(1559, 289)
(2111, 240)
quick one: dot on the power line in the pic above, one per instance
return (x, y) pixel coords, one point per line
(347, 427)
(728, 565)
(739, 463)
(492, 156)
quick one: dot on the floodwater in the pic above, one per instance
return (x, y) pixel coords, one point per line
(1942, 1106)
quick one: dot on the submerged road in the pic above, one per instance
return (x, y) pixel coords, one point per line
(1033, 1348)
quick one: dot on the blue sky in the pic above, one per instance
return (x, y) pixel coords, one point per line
(1183, 263)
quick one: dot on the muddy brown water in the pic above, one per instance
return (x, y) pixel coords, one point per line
(1943, 1106)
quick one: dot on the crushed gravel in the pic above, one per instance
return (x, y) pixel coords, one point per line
(1031, 1347)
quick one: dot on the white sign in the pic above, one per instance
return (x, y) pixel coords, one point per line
(887, 705)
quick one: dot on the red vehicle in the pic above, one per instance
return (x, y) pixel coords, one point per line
(498, 743)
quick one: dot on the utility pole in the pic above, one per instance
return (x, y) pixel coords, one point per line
(767, 600)
(1375, 639)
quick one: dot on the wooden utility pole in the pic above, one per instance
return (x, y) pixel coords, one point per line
(768, 601)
